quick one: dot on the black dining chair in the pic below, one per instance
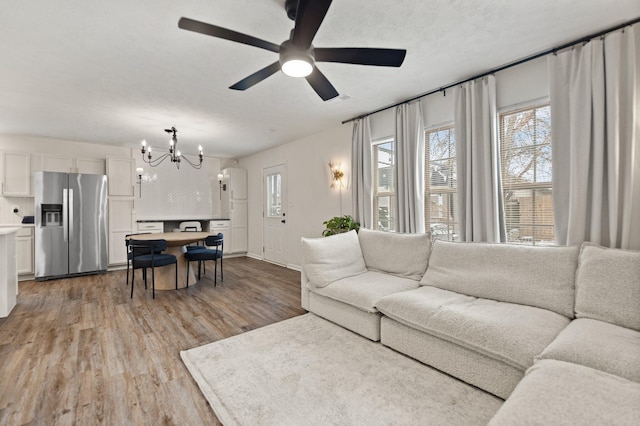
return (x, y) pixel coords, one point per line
(216, 242)
(148, 254)
(190, 247)
(127, 242)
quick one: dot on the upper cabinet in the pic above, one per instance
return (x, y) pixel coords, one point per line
(57, 163)
(120, 174)
(237, 182)
(65, 164)
(90, 166)
(16, 174)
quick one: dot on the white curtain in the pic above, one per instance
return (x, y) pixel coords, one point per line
(409, 172)
(361, 172)
(480, 204)
(596, 141)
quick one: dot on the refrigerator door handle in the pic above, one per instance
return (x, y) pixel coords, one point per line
(65, 212)
(71, 206)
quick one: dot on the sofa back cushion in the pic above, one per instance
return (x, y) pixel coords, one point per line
(535, 276)
(403, 255)
(608, 285)
(332, 258)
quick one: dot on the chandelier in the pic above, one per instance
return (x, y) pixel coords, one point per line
(174, 154)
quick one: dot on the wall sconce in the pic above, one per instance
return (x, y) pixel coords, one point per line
(139, 170)
(336, 175)
(223, 186)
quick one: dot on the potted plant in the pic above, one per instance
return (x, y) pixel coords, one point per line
(340, 224)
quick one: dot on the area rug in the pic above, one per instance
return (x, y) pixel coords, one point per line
(309, 371)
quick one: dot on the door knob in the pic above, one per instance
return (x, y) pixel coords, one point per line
(283, 221)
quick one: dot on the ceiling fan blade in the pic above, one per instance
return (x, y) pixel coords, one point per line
(361, 56)
(257, 77)
(215, 31)
(310, 15)
(321, 85)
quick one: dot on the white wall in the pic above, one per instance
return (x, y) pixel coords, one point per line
(38, 145)
(172, 194)
(311, 201)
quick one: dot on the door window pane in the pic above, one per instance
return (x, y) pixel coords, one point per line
(274, 197)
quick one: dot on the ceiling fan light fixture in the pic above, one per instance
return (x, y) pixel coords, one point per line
(299, 67)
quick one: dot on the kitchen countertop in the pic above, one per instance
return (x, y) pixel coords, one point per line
(7, 231)
(17, 225)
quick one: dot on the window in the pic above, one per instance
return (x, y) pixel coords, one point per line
(525, 153)
(384, 165)
(440, 201)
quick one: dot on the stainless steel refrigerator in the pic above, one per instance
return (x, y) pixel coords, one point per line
(70, 224)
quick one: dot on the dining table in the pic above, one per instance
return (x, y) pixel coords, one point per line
(176, 242)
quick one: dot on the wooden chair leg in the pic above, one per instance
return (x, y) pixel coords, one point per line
(215, 272)
(153, 281)
(221, 270)
(127, 271)
(187, 274)
(177, 275)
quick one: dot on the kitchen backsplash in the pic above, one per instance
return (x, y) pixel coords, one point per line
(25, 208)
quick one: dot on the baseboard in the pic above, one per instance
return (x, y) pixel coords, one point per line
(295, 267)
(254, 256)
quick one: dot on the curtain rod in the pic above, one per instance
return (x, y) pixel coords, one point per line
(501, 68)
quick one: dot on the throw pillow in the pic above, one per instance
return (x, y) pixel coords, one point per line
(332, 258)
(403, 255)
(608, 285)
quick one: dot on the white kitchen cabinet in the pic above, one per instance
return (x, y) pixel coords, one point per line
(8, 273)
(16, 174)
(68, 164)
(57, 163)
(24, 250)
(223, 227)
(120, 174)
(236, 180)
(235, 207)
(120, 224)
(239, 229)
(94, 166)
(151, 227)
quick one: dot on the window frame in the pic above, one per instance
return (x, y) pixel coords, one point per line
(534, 187)
(452, 221)
(375, 195)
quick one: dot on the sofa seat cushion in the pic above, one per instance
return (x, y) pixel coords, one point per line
(527, 275)
(608, 285)
(598, 345)
(404, 255)
(513, 334)
(562, 393)
(364, 290)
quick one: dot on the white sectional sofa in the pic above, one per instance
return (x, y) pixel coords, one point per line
(540, 320)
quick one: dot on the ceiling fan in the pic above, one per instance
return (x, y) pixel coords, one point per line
(297, 55)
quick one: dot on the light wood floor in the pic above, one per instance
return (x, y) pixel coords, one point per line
(80, 351)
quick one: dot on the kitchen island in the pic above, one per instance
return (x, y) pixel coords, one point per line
(8, 271)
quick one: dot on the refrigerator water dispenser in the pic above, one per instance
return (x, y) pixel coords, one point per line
(51, 215)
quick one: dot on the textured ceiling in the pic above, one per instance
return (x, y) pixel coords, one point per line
(117, 72)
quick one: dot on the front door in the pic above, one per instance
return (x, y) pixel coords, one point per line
(275, 217)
